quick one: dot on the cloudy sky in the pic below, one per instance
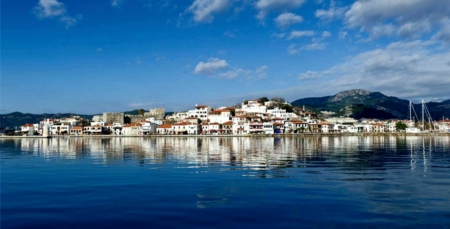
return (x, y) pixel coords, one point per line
(89, 56)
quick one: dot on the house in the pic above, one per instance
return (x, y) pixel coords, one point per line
(254, 127)
(60, 129)
(193, 128)
(28, 129)
(268, 128)
(297, 126)
(76, 130)
(213, 127)
(378, 128)
(148, 127)
(132, 129)
(220, 115)
(180, 128)
(227, 127)
(253, 106)
(200, 111)
(93, 130)
(164, 129)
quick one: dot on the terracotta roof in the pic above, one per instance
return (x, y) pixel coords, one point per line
(28, 125)
(165, 126)
(180, 124)
(228, 123)
(278, 124)
(214, 123)
(277, 118)
(201, 106)
(132, 124)
(77, 128)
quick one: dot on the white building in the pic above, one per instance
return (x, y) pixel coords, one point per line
(132, 129)
(200, 112)
(253, 106)
(220, 115)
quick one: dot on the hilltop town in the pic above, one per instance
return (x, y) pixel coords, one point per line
(259, 116)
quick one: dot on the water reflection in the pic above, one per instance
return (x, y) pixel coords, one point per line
(259, 154)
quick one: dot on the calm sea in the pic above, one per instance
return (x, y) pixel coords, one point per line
(298, 182)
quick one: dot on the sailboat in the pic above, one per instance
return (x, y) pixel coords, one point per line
(424, 112)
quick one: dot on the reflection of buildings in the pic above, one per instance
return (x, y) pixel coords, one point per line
(238, 152)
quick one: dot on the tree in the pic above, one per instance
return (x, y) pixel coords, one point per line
(400, 126)
(263, 100)
(278, 99)
(286, 107)
(141, 111)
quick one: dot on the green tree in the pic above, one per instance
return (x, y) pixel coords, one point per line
(263, 99)
(400, 126)
(141, 111)
(278, 99)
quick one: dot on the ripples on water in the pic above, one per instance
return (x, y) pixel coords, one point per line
(321, 182)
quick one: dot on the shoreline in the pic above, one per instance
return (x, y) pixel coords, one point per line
(228, 136)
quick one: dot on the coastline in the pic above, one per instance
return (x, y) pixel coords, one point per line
(244, 136)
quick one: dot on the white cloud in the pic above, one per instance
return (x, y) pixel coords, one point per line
(343, 34)
(211, 67)
(265, 6)
(234, 73)
(279, 35)
(381, 30)
(117, 3)
(294, 49)
(261, 72)
(297, 34)
(285, 20)
(406, 69)
(55, 9)
(228, 34)
(309, 75)
(330, 14)
(411, 18)
(215, 68)
(204, 9)
(326, 34)
(314, 46)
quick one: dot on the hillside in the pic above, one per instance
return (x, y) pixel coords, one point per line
(360, 103)
(19, 119)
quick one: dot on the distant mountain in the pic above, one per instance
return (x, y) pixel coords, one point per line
(361, 103)
(18, 119)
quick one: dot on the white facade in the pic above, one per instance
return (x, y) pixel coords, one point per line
(200, 112)
(253, 106)
(60, 129)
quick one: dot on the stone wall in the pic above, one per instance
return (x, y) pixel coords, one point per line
(158, 113)
(97, 118)
(110, 118)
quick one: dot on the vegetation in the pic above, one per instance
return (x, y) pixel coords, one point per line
(141, 111)
(263, 100)
(400, 126)
(278, 99)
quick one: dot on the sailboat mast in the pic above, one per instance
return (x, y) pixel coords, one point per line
(423, 118)
(410, 115)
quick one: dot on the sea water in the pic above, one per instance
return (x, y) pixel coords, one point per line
(226, 182)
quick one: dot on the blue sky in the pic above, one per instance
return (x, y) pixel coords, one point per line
(116, 55)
